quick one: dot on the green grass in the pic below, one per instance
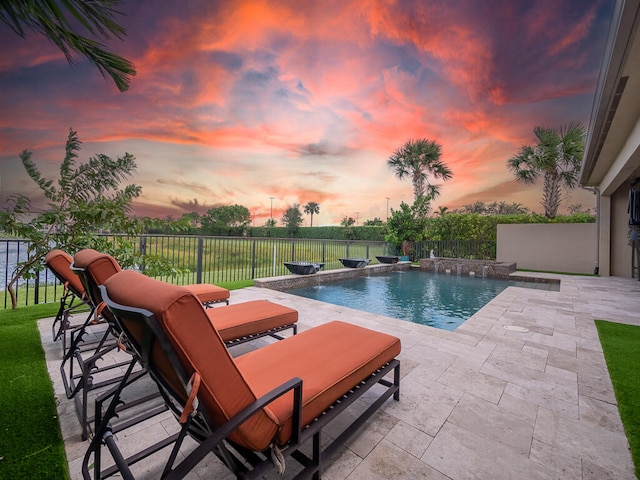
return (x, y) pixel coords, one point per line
(621, 346)
(31, 444)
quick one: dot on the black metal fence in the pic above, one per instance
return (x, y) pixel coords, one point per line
(228, 259)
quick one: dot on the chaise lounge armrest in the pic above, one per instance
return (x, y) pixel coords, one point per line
(222, 432)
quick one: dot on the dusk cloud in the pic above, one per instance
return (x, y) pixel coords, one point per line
(241, 101)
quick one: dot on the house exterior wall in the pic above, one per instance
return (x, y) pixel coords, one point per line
(605, 236)
(620, 257)
(558, 247)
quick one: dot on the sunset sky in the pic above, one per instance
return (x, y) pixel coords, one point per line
(236, 102)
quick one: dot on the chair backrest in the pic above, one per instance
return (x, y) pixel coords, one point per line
(94, 268)
(59, 263)
(176, 313)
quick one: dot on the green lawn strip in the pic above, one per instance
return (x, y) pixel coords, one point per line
(237, 285)
(31, 444)
(621, 346)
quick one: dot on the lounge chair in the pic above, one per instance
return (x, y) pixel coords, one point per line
(106, 265)
(246, 410)
(238, 324)
(74, 296)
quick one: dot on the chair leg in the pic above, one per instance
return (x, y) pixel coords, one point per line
(317, 454)
(102, 431)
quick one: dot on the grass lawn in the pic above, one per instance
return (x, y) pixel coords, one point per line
(31, 444)
(621, 346)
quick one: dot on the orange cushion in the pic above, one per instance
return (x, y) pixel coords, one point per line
(207, 293)
(223, 390)
(100, 265)
(248, 318)
(330, 360)
(60, 262)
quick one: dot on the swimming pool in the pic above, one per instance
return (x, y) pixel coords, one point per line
(438, 300)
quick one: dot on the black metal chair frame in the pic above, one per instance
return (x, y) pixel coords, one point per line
(79, 365)
(240, 461)
(61, 324)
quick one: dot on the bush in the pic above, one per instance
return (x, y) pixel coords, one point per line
(471, 226)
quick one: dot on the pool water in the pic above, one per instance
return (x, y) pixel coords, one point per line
(438, 300)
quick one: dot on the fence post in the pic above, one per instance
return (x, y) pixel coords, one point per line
(293, 250)
(199, 261)
(274, 259)
(347, 254)
(367, 255)
(142, 246)
(253, 259)
(36, 293)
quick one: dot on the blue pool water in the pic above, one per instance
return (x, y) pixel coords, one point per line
(438, 300)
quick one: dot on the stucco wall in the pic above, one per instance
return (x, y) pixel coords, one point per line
(558, 247)
(620, 248)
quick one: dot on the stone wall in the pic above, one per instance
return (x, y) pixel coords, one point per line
(286, 282)
(461, 266)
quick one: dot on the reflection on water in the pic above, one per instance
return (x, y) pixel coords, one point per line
(438, 300)
(12, 252)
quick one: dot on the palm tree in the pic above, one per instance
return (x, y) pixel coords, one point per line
(96, 17)
(311, 208)
(557, 156)
(441, 211)
(417, 159)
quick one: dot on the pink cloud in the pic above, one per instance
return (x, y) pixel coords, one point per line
(239, 101)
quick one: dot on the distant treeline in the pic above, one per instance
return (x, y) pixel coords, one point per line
(450, 226)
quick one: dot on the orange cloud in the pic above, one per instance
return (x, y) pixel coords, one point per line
(242, 100)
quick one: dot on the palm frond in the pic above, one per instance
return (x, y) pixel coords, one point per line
(96, 16)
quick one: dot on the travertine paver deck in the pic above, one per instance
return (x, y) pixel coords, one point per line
(482, 402)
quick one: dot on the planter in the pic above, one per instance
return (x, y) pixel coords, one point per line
(303, 268)
(387, 258)
(355, 262)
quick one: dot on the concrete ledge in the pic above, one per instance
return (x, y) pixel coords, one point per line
(461, 266)
(285, 282)
(535, 277)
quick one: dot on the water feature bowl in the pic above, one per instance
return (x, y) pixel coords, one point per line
(304, 268)
(387, 258)
(355, 262)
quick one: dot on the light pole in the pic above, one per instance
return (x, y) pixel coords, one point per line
(357, 213)
(387, 207)
(272, 207)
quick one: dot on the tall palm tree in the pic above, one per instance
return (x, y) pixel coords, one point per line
(95, 16)
(557, 157)
(311, 208)
(417, 159)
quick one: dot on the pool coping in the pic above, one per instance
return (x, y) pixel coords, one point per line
(286, 282)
